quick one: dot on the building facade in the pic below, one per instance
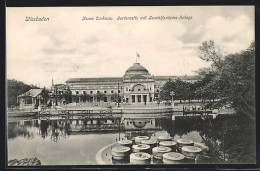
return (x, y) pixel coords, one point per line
(137, 86)
(30, 99)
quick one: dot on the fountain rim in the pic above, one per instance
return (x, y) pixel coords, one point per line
(189, 149)
(144, 146)
(166, 156)
(184, 141)
(147, 155)
(168, 143)
(158, 149)
(120, 149)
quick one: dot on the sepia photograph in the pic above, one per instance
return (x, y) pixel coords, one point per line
(130, 85)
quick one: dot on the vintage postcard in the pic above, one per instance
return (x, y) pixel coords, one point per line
(134, 85)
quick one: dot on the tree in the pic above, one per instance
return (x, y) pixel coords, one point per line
(238, 81)
(181, 89)
(114, 97)
(208, 87)
(166, 89)
(210, 52)
(45, 95)
(229, 137)
(75, 98)
(67, 95)
(100, 97)
(85, 97)
(231, 78)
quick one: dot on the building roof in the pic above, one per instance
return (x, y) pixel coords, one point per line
(185, 77)
(32, 93)
(120, 79)
(101, 79)
(137, 69)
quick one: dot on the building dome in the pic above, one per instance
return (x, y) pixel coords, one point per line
(136, 69)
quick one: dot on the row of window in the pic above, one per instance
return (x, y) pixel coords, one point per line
(93, 87)
(98, 99)
(112, 91)
(97, 91)
(137, 90)
(127, 123)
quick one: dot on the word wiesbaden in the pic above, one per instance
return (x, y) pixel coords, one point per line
(37, 18)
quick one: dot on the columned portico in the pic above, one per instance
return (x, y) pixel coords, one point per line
(139, 98)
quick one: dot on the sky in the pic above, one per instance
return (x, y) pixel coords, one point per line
(67, 47)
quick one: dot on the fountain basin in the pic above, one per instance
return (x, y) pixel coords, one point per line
(159, 151)
(191, 151)
(151, 143)
(184, 142)
(120, 152)
(127, 143)
(140, 158)
(170, 144)
(164, 138)
(173, 158)
(157, 159)
(140, 148)
(141, 138)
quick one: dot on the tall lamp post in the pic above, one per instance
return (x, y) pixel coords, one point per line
(39, 107)
(159, 88)
(122, 95)
(118, 94)
(172, 94)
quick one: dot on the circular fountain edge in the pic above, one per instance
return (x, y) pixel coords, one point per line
(99, 159)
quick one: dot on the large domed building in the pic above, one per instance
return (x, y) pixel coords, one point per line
(137, 86)
(136, 69)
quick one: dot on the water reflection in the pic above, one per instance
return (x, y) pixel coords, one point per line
(62, 128)
(230, 139)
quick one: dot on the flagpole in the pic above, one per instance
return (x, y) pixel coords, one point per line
(137, 56)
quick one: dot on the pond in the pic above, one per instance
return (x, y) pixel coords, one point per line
(75, 140)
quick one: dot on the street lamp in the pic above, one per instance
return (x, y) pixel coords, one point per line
(118, 94)
(39, 105)
(172, 94)
(159, 88)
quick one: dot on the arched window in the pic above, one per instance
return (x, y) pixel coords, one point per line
(138, 88)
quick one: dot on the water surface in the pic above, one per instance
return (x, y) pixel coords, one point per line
(75, 140)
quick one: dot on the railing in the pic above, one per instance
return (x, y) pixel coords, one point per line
(197, 112)
(84, 112)
(44, 112)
